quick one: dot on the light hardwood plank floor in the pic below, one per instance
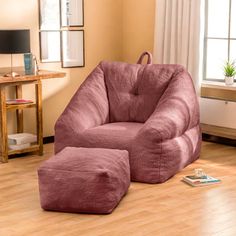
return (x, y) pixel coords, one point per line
(172, 208)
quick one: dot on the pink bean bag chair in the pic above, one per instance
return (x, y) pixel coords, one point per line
(87, 180)
(149, 110)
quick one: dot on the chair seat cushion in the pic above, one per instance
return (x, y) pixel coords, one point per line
(84, 180)
(113, 135)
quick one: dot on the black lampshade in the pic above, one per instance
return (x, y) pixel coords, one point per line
(14, 41)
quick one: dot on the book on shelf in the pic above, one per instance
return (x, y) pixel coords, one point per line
(18, 101)
(19, 146)
(196, 181)
(21, 138)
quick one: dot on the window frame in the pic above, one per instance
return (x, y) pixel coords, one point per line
(62, 54)
(206, 38)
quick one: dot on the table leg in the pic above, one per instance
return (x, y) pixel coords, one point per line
(39, 116)
(19, 112)
(3, 124)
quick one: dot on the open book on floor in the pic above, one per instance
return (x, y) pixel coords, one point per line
(196, 181)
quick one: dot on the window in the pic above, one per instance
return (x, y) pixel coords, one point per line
(61, 39)
(220, 37)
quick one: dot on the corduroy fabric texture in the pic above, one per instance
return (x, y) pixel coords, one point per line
(84, 180)
(119, 135)
(159, 99)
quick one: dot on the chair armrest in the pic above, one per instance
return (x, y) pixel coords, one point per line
(176, 112)
(88, 108)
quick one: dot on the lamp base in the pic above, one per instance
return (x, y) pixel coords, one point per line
(12, 74)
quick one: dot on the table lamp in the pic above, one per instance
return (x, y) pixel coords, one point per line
(14, 42)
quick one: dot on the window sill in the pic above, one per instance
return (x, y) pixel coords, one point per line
(218, 90)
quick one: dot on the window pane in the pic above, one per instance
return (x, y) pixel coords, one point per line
(233, 50)
(216, 57)
(50, 46)
(218, 18)
(73, 48)
(233, 19)
(49, 15)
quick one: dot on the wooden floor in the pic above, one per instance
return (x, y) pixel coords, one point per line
(172, 208)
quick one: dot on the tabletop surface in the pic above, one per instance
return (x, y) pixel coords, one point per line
(23, 77)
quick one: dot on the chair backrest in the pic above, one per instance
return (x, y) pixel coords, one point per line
(135, 89)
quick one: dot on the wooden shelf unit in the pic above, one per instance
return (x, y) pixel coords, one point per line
(18, 82)
(20, 106)
(32, 148)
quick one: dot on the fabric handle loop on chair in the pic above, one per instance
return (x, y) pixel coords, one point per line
(149, 61)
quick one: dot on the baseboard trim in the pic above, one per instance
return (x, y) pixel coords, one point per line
(219, 131)
(218, 134)
(49, 139)
(217, 139)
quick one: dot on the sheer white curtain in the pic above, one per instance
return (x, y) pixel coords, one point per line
(177, 34)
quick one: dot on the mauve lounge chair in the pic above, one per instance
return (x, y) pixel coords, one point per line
(150, 110)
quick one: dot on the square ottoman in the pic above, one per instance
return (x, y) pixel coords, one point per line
(86, 180)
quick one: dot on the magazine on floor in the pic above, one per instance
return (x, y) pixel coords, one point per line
(197, 181)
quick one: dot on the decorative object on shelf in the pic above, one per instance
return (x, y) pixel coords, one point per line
(60, 38)
(229, 72)
(31, 64)
(28, 62)
(72, 13)
(35, 65)
(72, 48)
(14, 42)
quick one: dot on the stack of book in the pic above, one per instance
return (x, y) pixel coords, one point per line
(197, 181)
(18, 101)
(21, 140)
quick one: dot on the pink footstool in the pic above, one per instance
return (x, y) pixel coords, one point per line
(86, 180)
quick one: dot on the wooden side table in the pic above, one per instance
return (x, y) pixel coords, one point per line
(18, 82)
